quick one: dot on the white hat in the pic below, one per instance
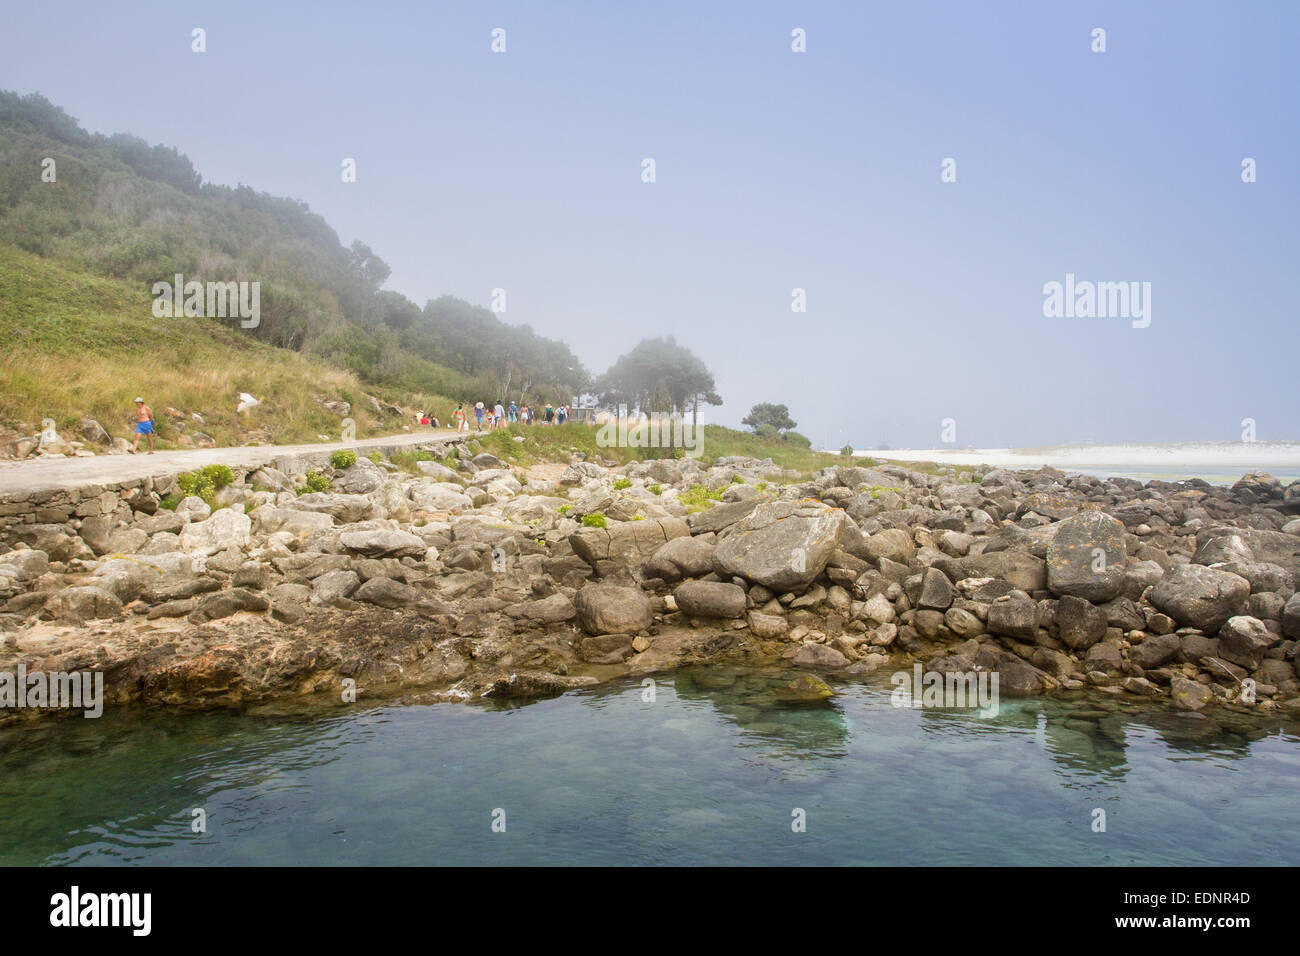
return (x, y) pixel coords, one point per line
(139, 399)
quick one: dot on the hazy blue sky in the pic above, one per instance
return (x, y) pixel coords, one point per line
(777, 170)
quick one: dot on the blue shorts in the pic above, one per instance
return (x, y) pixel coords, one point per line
(144, 428)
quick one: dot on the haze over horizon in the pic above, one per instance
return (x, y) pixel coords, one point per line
(776, 170)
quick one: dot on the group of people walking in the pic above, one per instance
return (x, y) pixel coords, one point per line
(502, 416)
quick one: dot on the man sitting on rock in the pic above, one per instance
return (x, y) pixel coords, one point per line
(143, 424)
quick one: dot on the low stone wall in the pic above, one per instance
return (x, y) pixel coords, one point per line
(116, 501)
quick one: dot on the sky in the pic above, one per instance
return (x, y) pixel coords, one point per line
(777, 170)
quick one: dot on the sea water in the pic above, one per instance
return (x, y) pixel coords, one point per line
(704, 766)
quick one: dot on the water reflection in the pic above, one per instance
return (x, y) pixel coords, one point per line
(716, 762)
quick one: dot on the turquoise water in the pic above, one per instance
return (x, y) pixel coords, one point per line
(711, 771)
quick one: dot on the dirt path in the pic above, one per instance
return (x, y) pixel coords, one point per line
(40, 474)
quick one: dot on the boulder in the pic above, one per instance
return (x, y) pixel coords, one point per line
(1199, 596)
(345, 508)
(819, 656)
(895, 544)
(382, 543)
(435, 469)
(1291, 617)
(805, 687)
(1017, 568)
(53, 539)
(581, 471)
(723, 515)
(1019, 679)
(1155, 650)
(1086, 557)
(936, 591)
(80, 604)
(25, 565)
(269, 519)
(623, 545)
(225, 603)
(605, 648)
(782, 545)
(710, 599)
(360, 478)
(1189, 694)
(549, 610)
(1243, 641)
(681, 557)
(386, 592)
(223, 529)
(332, 586)
(612, 609)
(1079, 623)
(767, 627)
(1015, 617)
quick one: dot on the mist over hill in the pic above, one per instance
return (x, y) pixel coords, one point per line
(118, 209)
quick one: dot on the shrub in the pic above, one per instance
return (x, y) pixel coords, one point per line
(593, 520)
(315, 482)
(737, 480)
(564, 509)
(375, 457)
(656, 490)
(343, 458)
(204, 483)
(621, 483)
(847, 451)
(699, 497)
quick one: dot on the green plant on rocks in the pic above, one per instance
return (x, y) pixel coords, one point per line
(621, 483)
(343, 458)
(205, 482)
(593, 520)
(697, 498)
(316, 481)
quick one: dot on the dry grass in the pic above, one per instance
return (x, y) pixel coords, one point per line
(74, 346)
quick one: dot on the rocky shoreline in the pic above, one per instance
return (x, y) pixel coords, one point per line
(457, 581)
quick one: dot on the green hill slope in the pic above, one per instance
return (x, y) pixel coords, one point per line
(79, 256)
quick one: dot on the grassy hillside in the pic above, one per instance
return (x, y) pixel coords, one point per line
(76, 345)
(83, 240)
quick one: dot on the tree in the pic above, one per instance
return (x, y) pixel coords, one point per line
(765, 413)
(658, 377)
(366, 266)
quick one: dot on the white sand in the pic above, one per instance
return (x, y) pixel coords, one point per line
(1189, 458)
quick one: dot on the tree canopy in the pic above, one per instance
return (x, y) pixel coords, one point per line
(766, 413)
(657, 377)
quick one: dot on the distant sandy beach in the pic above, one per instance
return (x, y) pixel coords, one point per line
(1214, 461)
